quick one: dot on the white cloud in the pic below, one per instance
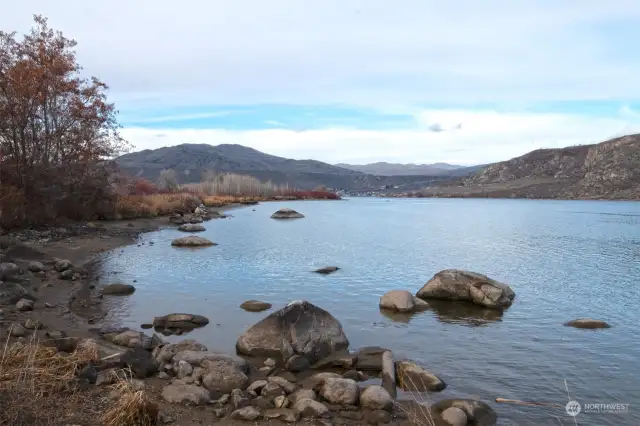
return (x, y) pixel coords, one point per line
(485, 136)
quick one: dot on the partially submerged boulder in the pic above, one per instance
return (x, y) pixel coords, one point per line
(453, 284)
(477, 412)
(118, 289)
(191, 227)
(255, 306)
(402, 301)
(287, 214)
(192, 241)
(587, 323)
(300, 328)
(327, 270)
(413, 377)
(180, 321)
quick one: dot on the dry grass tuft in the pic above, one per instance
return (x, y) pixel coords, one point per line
(417, 410)
(131, 407)
(153, 205)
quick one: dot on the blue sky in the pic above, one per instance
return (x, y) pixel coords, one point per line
(460, 81)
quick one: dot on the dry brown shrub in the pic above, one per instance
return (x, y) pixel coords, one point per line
(131, 407)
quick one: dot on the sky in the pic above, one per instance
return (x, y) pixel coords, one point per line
(421, 81)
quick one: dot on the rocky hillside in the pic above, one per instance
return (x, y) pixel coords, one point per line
(609, 170)
(396, 169)
(189, 161)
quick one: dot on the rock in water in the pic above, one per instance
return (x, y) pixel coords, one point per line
(287, 214)
(255, 306)
(453, 284)
(300, 328)
(118, 289)
(454, 416)
(402, 301)
(192, 241)
(412, 377)
(327, 270)
(181, 321)
(191, 227)
(587, 323)
(477, 412)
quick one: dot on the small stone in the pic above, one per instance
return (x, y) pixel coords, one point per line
(90, 373)
(67, 274)
(271, 390)
(224, 399)
(377, 417)
(35, 267)
(454, 416)
(32, 324)
(283, 383)
(62, 265)
(376, 397)
(257, 386)
(255, 306)
(270, 362)
(301, 394)
(246, 413)
(118, 289)
(219, 412)
(146, 326)
(281, 401)
(184, 369)
(164, 376)
(18, 330)
(49, 305)
(25, 305)
(311, 408)
(239, 399)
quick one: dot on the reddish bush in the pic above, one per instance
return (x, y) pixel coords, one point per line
(315, 195)
(143, 187)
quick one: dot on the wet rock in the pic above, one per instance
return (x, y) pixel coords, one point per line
(299, 328)
(35, 267)
(118, 289)
(340, 391)
(185, 394)
(192, 241)
(62, 265)
(376, 397)
(454, 416)
(8, 271)
(327, 270)
(453, 284)
(11, 293)
(146, 326)
(191, 227)
(412, 377)
(297, 363)
(180, 321)
(302, 394)
(477, 412)
(17, 330)
(25, 305)
(402, 301)
(287, 214)
(246, 413)
(587, 323)
(255, 306)
(310, 408)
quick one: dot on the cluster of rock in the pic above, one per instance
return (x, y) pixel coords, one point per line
(200, 214)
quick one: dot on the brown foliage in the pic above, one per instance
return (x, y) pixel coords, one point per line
(56, 128)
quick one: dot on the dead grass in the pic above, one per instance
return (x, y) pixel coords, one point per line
(417, 410)
(132, 407)
(153, 205)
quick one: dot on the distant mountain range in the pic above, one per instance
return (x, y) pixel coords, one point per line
(608, 170)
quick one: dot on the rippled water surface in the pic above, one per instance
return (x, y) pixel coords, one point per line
(564, 259)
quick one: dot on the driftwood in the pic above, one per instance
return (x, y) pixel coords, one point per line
(528, 403)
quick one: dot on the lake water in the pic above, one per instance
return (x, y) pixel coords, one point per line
(564, 260)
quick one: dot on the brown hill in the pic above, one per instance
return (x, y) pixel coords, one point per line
(608, 170)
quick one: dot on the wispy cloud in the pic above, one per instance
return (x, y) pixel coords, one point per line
(181, 117)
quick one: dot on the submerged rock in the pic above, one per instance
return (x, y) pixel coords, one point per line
(118, 289)
(477, 412)
(402, 301)
(453, 284)
(300, 328)
(327, 270)
(587, 323)
(192, 241)
(255, 306)
(287, 214)
(191, 227)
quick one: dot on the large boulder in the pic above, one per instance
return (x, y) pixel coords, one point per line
(192, 241)
(340, 391)
(587, 323)
(412, 377)
(453, 284)
(191, 227)
(181, 321)
(402, 301)
(477, 412)
(287, 214)
(300, 328)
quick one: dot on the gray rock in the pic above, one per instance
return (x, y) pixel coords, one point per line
(375, 397)
(378, 417)
(299, 328)
(89, 372)
(62, 265)
(246, 413)
(402, 301)
(163, 375)
(67, 274)
(255, 306)
(239, 399)
(336, 360)
(302, 394)
(166, 353)
(477, 412)
(327, 270)
(32, 324)
(284, 414)
(17, 330)
(192, 241)
(269, 362)
(191, 227)
(453, 284)
(8, 271)
(281, 401)
(317, 380)
(257, 386)
(125, 338)
(185, 394)
(340, 391)
(286, 385)
(454, 416)
(311, 408)
(389, 374)
(587, 323)
(180, 321)
(118, 289)
(287, 214)
(370, 358)
(25, 305)
(271, 390)
(297, 363)
(184, 369)
(412, 377)
(11, 293)
(224, 373)
(35, 267)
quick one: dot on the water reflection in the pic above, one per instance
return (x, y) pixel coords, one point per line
(451, 313)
